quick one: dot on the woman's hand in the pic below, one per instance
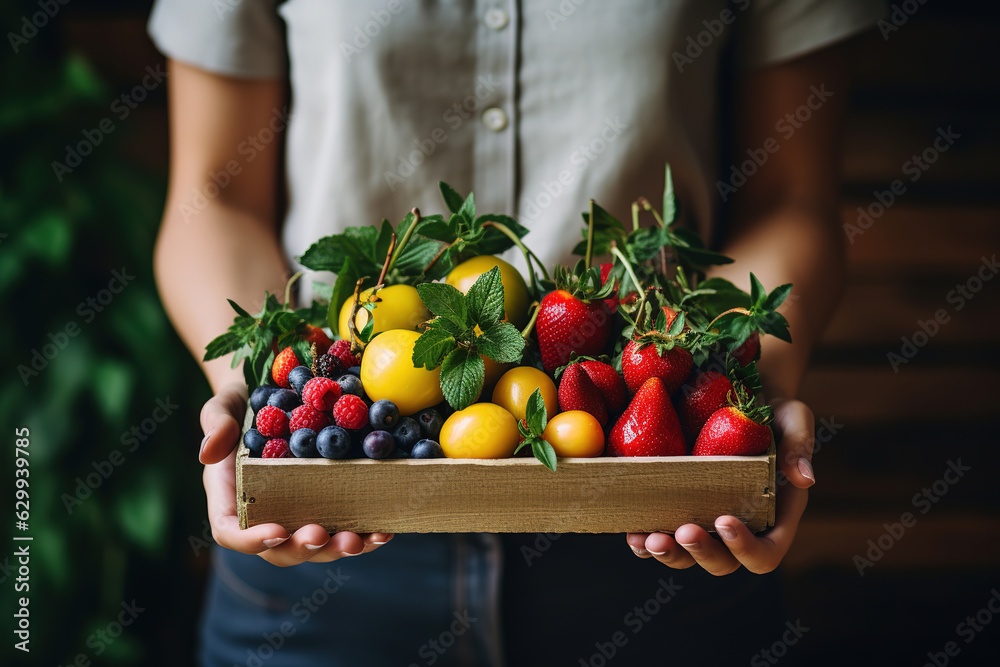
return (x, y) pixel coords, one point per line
(221, 421)
(692, 545)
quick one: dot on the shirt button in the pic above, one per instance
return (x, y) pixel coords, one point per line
(495, 119)
(496, 19)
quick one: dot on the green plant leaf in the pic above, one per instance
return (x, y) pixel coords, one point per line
(669, 203)
(501, 342)
(432, 347)
(452, 199)
(757, 292)
(485, 298)
(777, 296)
(468, 209)
(445, 301)
(462, 376)
(535, 413)
(543, 452)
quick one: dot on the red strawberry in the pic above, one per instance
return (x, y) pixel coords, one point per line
(283, 365)
(611, 303)
(566, 324)
(317, 336)
(731, 432)
(699, 398)
(608, 381)
(749, 350)
(649, 425)
(642, 360)
(578, 392)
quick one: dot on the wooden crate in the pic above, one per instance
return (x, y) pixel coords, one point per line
(518, 495)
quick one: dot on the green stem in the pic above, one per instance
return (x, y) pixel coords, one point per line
(388, 261)
(635, 216)
(628, 267)
(528, 255)
(649, 207)
(531, 323)
(406, 237)
(288, 288)
(590, 236)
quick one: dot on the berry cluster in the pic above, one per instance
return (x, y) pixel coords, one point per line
(323, 412)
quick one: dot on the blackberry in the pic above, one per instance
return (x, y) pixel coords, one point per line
(329, 366)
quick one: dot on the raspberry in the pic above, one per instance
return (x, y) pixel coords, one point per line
(329, 366)
(350, 412)
(272, 422)
(306, 416)
(283, 365)
(342, 350)
(321, 393)
(276, 449)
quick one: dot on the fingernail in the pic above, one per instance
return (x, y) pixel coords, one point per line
(806, 470)
(204, 441)
(378, 544)
(273, 542)
(637, 551)
(313, 547)
(657, 553)
(727, 532)
(693, 546)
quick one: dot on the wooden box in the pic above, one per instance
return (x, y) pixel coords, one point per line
(518, 495)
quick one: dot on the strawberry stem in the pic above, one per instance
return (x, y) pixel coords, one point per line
(635, 216)
(528, 255)
(628, 266)
(742, 311)
(406, 237)
(288, 288)
(590, 236)
(649, 207)
(536, 306)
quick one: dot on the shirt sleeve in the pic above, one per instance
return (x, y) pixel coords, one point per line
(243, 38)
(777, 30)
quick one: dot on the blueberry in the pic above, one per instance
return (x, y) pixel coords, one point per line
(255, 442)
(285, 399)
(258, 398)
(406, 433)
(427, 449)
(298, 377)
(333, 442)
(430, 422)
(351, 384)
(355, 371)
(399, 454)
(383, 414)
(378, 445)
(303, 443)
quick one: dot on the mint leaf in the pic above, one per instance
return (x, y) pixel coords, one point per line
(777, 296)
(501, 342)
(468, 209)
(445, 301)
(238, 309)
(462, 376)
(485, 298)
(543, 452)
(324, 255)
(535, 413)
(757, 292)
(452, 199)
(677, 326)
(432, 347)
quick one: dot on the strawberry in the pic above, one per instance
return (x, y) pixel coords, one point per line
(738, 429)
(612, 302)
(749, 350)
(316, 336)
(578, 392)
(608, 382)
(655, 355)
(567, 324)
(649, 426)
(283, 365)
(699, 398)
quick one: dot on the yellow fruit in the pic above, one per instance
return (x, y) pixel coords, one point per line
(515, 292)
(387, 371)
(398, 307)
(481, 431)
(575, 433)
(515, 387)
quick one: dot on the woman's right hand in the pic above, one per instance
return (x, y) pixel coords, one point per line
(221, 421)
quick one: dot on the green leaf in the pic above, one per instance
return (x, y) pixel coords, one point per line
(543, 452)
(535, 413)
(777, 296)
(323, 255)
(669, 203)
(485, 298)
(468, 209)
(757, 292)
(661, 320)
(368, 330)
(383, 240)
(238, 309)
(438, 230)
(776, 325)
(432, 347)
(452, 199)
(677, 326)
(701, 257)
(501, 342)
(445, 301)
(343, 289)
(462, 376)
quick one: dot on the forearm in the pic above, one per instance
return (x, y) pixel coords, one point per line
(220, 253)
(799, 246)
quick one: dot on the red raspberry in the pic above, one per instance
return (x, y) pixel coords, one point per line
(350, 412)
(283, 365)
(321, 393)
(272, 422)
(342, 350)
(276, 449)
(306, 416)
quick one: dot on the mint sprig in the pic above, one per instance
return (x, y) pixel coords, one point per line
(536, 418)
(451, 339)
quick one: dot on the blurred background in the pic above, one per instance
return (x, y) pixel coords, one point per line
(117, 508)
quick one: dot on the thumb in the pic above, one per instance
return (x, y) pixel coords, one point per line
(795, 427)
